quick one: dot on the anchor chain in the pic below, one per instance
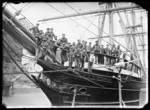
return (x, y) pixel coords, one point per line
(74, 97)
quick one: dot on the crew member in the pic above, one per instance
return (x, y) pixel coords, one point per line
(91, 61)
(35, 29)
(58, 50)
(89, 49)
(56, 45)
(46, 48)
(77, 55)
(79, 44)
(102, 56)
(118, 53)
(50, 34)
(71, 54)
(65, 49)
(96, 49)
(39, 40)
(107, 52)
(63, 39)
(113, 54)
(83, 56)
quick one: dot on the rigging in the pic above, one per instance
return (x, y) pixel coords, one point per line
(98, 28)
(89, 30)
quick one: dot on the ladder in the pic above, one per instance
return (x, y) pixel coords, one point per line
(26, 23)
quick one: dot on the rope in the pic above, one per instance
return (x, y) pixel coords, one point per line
(14, 40)
(55, 71)
(14, 58)
(21, 14)
(11, 49)
(72, 30)
(74, 97)
(87, 27)
(28, 7)
(21, 8)
(18, 11)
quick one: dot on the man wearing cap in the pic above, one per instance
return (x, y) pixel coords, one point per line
(89, 49)
(79, 44)
(71, 55)
(39, 39)
(65, 49)
(52, 34)
(96, 49)
(47, 33)
(102, 56)
(118, 52)
(46, 48)
(83, 57)
(78, 52)
(77, 55)
(113, 53)
(107, 52)
(63, 39)
(35, 29)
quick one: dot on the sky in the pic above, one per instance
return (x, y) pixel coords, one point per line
(37, 11)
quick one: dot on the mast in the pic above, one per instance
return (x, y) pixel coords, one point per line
(100, 27)
(99, 17)
(134, 42)
(93, 12)
(111, 27)
(18, 23)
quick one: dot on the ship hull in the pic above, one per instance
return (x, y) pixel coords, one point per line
(95, 96)
(101, 91)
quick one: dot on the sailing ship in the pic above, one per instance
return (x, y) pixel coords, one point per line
(106, 85)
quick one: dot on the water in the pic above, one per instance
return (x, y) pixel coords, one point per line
(26, 98)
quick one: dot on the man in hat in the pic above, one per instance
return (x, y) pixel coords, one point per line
(40, 37)
(83, 57)
(107, 52)
(102, 56)
(91, 60)
(52, 34)
(113, 53)
(78, 51)
(96, 49)
(64, 52)
(118, 52)
(79, 44)
(35, 30)
(77, 55)
(71, 54)
(89, 49)
(47, 33)
(46, 48)
(63, 39)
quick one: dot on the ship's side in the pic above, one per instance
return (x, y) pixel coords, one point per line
(92, 89)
